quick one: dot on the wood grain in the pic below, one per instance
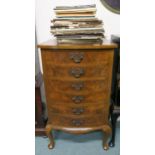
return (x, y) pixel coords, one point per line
(80, 86)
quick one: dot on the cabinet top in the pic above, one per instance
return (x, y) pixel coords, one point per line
(52, 44)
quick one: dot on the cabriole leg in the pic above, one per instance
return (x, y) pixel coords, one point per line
(107, 133)
(50, 136)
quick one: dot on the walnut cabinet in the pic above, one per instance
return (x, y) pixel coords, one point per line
(77, 82)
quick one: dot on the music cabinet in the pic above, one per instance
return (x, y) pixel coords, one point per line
(77, 82)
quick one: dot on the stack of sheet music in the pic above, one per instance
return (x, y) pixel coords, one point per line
(77, 25)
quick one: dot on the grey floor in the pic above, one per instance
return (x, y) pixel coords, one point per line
(67, 144)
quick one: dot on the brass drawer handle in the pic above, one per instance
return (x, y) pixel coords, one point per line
(77, 111)
(77, 72)
(77, 57)
(77, 99)
(77, 122)
(78, 86)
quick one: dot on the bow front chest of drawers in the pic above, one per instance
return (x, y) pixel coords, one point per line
(77, 82)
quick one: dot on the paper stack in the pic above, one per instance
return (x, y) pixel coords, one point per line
(77, 25)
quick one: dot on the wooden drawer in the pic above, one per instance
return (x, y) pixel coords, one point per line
(64, 104)
(74, 86)
(77, 98)
(76, 56)
(59, 71)
(74, 121)
(78, 110)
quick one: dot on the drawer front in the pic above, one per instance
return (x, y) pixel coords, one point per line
(76, 98)
(85, 121)
(59, 103)
(78, 110)
(75, 86)
(58, 71)
(75, 56)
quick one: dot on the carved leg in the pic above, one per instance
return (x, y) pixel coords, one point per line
(107, 134)
(50, 136)
(113, 122)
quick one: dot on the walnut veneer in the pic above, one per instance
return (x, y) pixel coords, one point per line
(77, 85)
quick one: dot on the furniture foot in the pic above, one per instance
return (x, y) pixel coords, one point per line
(107, 133)
(50, 136)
